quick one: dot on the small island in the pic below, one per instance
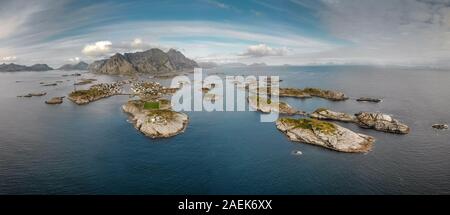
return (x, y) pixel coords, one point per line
(155, 119)
(85, 81)
(95, 93)
(325, 134)
(377, 121)
(325, 114)
(312, 92)
(55, 100)
(265, 105)
(381, 122)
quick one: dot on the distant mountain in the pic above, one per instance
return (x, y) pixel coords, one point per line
(257, 64)
(150, 61)
(17, 68)
(233, 65)
(79, 66)
(207, 65)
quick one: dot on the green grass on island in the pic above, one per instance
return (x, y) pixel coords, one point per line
(321, 109)
(151, 105)
(311, 124)
(92, 92)
(166, 114)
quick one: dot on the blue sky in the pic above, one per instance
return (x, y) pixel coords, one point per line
(413, 32)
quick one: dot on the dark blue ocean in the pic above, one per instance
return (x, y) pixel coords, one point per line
(92, 149)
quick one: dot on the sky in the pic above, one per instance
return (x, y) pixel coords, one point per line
(297, 32)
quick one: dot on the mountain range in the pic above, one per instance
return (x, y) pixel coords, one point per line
(151, 61)
(79, 66)
(17, 68)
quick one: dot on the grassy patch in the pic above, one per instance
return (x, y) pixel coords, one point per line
(320, 109)
(313, 91)
(311, 124)
(166, 114)
(93, 92)
(151, 105)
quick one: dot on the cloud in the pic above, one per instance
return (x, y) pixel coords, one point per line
(390, 31)
(14, 15)
(262, 50)
(137, 44)
(100, 48)
(218, 4)
(8, 58)
(74, 60)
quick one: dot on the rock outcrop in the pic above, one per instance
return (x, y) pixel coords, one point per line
(367, 99)
(19, 68)
(293, 92)
(440, 126)
(381, 122)
(324, 134)
(115, 65)
(325, 114)
(152, 61)
(55, 100)
(179, 61)
(265, 105)
(85, 81)
(79, 66)
(156, 121)
(33, 94)
(312, 92)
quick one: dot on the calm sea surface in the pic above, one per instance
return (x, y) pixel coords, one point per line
(92, 149)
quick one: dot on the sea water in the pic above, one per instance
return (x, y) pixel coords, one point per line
(93, 149)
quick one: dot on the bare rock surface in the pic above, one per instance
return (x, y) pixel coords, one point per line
(381, 122)
(325, 114)
(265, 105)
(156, 122)
(324, 134)
(55, 100)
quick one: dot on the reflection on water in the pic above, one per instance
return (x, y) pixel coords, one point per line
(92, 149)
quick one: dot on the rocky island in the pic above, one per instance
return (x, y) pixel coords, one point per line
(85, 81)
(312, 92)
(55, 100)
(440, 126)
(324, 134)
(325, 114)
(298, 93)
(33, 95)
(155, 119)
(367, 99)
(95, 93)
(265, 105)
(376, 120)
(381, 122)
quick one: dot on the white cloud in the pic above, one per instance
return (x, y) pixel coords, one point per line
(390, 31)
(14, 14)
(74, 60)
(100, 48)
(8, 58)
(218, 4)
(262, 50)
(137, 44)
